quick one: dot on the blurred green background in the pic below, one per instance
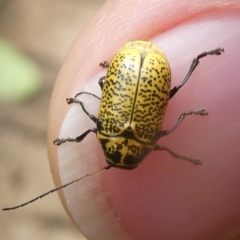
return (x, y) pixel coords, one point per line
(34, 39)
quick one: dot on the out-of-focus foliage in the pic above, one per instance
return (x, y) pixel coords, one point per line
(19, 76)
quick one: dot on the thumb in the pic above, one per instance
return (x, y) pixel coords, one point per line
(163, 196)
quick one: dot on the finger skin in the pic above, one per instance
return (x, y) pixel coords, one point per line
(164, 198)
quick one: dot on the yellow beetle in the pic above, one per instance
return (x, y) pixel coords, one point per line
(135, 94)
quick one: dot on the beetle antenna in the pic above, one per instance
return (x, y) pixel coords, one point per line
(56, 189)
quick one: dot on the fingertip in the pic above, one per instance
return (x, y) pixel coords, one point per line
(94, 206)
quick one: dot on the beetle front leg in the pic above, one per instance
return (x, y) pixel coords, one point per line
(104, 64)
(101, 82)
(200, 112)
(195, 161)
(194, 64)
(78, 139)
(75, 100)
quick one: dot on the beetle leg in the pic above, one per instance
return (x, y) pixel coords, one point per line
(195, 161)
(194, 64)
(88, 93)
(75, 100)
(59, 141)
(101, 82)
(200, 112)
(104, 64)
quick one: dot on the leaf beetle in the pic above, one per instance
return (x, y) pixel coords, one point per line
(135, 94)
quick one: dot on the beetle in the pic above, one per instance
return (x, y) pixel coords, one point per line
(135, 94)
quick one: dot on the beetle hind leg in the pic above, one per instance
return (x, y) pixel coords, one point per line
(195, 161)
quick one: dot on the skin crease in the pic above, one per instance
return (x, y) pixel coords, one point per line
(164, 198)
